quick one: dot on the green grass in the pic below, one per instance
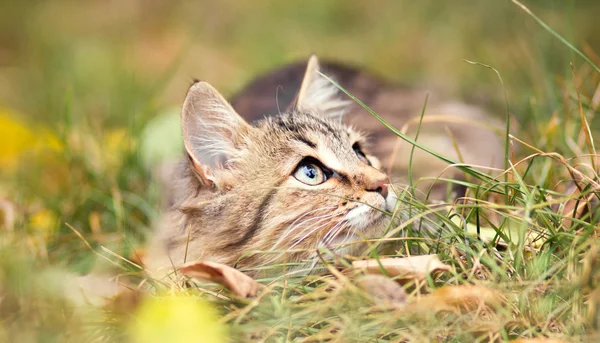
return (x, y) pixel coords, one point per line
(92, 76)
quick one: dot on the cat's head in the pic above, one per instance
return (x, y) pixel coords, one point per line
(299, 180)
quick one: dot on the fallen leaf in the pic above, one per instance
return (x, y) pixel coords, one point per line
(467, 297)
(138, 255)
(383, 290)
(237, 282)
(414, 267)
(125, 302)
(539, 340)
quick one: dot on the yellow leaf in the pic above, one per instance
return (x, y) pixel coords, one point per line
(538, 340)
(181, 319)
(452, 298)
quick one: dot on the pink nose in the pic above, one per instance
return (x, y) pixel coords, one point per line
(380, 186)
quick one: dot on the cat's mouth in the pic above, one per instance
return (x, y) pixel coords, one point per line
(365, 220)
(364, 216)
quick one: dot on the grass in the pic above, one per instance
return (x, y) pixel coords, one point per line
(83, 83)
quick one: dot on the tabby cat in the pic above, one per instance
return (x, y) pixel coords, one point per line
(275, 191)
(287, 185)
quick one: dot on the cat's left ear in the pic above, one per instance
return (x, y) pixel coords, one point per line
(212, 132)
(317, 95)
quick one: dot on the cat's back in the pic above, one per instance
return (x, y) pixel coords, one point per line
(448, 125)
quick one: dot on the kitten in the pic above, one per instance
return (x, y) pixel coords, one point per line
(447, 124)
(289, 184)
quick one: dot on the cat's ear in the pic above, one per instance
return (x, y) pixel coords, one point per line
(318, 95)
(212, 131)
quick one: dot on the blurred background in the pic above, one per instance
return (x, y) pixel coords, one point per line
(81, 80)
(89, 90)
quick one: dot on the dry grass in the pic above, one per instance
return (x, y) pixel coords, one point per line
(84, 80)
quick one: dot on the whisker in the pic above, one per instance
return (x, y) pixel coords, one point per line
(308, 234)
(295, 225)
(337, 232)
(331, 234)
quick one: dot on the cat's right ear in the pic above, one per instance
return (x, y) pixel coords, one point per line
(212, 132)
(317, 95)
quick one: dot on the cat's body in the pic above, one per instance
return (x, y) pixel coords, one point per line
(292, 182)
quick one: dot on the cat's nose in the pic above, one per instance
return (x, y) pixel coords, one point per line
(380, 185)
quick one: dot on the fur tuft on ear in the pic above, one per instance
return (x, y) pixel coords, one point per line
(212, 131)
(318, 95)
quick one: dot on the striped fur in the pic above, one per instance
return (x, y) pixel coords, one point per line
(236, 194)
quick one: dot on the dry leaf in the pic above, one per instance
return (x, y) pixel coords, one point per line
(237, 282)
(383, 290)
(467, 297)
(538, 340)
(138, 255)
(414, 267)
(125, 302)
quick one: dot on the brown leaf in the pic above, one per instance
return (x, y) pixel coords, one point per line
(414, 267)
(138, 255)
(125, 302)
(465, 297)
(237, 282)
(383, 290)
(538, 340)
(468, 296)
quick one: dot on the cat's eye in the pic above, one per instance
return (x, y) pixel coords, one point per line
(361, 155)
(310, 173)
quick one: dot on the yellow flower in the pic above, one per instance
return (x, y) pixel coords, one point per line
(17, 138)
(181, 319)
(43, 221)
(114, 144)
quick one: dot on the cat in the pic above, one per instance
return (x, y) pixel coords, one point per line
(287, 185)
(447, 125)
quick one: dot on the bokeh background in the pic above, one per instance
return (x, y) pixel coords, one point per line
(89, 90)
(81, 80)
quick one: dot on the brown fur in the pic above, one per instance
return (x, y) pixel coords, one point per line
(445, 121)
(237, 192)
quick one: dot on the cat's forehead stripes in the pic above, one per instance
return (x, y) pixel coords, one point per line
(331, 159)
(303, 124)
(328, 141)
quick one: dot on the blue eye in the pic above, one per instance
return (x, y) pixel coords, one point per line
(310, 174)
(309, 171)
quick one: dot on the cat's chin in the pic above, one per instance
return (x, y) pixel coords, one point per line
(366, 219)
(363, 223)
